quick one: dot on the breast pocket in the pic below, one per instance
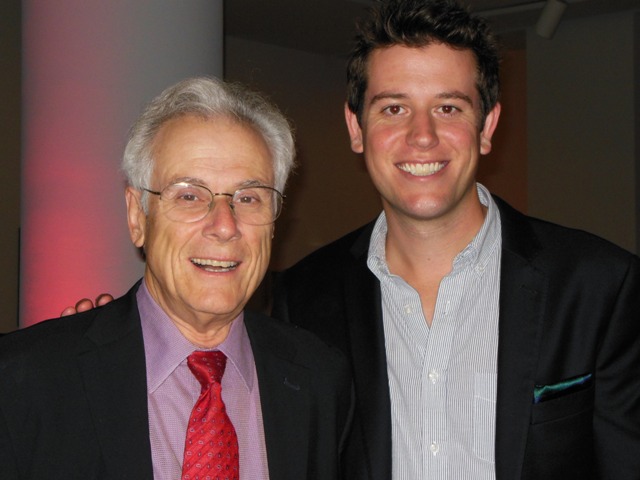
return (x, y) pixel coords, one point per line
(484, 415)
(561, 433)
(564, 407)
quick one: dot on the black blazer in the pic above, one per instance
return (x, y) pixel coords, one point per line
(73, 398)
(569, 318)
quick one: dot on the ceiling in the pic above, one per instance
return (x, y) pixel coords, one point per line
(327, 26)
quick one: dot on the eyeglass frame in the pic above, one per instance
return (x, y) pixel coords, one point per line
(281, 195)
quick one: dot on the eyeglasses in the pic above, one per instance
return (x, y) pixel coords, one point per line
(185, 202)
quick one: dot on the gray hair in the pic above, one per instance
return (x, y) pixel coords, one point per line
(208, 98)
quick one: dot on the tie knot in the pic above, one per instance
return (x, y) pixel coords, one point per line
(207, 367)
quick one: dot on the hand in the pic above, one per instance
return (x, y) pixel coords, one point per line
(86, 304)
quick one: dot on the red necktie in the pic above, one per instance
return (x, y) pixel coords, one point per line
(211, 447)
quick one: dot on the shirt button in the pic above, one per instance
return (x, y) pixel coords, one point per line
(434, 448)
(407, 309)
(479, 268)
(433, 376)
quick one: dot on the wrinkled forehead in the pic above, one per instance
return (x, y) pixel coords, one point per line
(191, 146)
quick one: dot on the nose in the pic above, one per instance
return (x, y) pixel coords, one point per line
(221, 222)
(422, 131)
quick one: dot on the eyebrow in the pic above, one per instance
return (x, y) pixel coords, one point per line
(456, 95)
(252, 183)
(193, 180)
(387, 96)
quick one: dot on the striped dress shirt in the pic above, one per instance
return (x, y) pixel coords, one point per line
(443, 379)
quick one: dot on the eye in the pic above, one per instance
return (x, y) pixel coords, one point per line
(189, 194)
(448, 110)
(187, 197)
(248, 198)
(393, 110)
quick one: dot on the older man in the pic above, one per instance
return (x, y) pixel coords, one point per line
(175, 379)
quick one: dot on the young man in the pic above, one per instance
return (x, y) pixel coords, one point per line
(485, 344)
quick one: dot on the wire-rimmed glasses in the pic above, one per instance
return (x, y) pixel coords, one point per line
(188, 203)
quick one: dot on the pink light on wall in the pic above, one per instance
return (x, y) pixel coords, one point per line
(88, 67)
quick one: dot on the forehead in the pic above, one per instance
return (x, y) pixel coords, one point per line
(434, 67)
(219, 147)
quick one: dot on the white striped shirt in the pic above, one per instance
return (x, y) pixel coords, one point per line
(443, 379)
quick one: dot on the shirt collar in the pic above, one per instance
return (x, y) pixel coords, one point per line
(165, 347)
(477, 252)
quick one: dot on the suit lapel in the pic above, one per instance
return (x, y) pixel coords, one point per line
(368, 356)
(284, 397)
(523, 291)
(112, 365)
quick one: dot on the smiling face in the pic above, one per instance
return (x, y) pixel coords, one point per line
(203, 273)
(420, 131)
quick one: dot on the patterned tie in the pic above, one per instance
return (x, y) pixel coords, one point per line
(211, 447)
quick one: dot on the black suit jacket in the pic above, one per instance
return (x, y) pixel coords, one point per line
(569, 308)
(73, 398)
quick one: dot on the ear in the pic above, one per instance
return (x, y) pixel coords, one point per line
(355, 132)
(490, 124)
(136, 218)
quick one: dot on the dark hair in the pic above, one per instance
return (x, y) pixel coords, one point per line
(419, 23)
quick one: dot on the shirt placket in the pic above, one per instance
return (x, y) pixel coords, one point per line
(434, 379)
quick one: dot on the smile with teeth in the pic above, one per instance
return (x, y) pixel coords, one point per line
(214, 265)
(422, 169)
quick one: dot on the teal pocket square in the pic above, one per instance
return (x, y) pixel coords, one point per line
(542, 393)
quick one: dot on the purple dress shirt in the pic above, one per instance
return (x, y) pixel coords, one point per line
(172, 391)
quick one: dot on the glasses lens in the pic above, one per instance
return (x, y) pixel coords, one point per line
(186, 202)
(257, 205)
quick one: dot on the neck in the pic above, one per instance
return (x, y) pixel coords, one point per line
(209, 337)
(204, 329)
(422, 251)
(430, 241)
(430, 244)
